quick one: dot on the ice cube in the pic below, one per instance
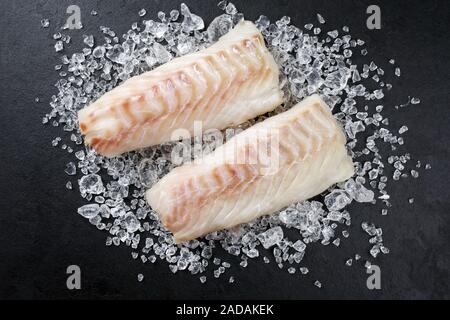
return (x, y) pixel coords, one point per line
(299, 245)
(142, 12)
(91, 184)
(59, 46)
(415, 100)
(219, 26)
(358, 192)
(337, 200)
(132, 224)
(45, 23)
(89, 40)
(320, 18)
(71, 169)
(161, 54)
(89, 210)
(271, 237)
(230, 9)
(191, 22)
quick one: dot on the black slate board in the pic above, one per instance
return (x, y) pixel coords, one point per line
(41, 234)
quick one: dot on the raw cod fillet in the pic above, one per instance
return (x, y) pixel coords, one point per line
(287, 158)
(233, 80)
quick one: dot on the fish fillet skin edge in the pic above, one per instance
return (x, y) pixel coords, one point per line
(228, 83)
(287, 158)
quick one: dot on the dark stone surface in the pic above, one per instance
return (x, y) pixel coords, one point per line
(41, 234)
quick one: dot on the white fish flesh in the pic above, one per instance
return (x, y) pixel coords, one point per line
(233, 80)
(287, 158)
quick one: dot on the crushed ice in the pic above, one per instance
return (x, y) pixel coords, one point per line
(310, 61)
